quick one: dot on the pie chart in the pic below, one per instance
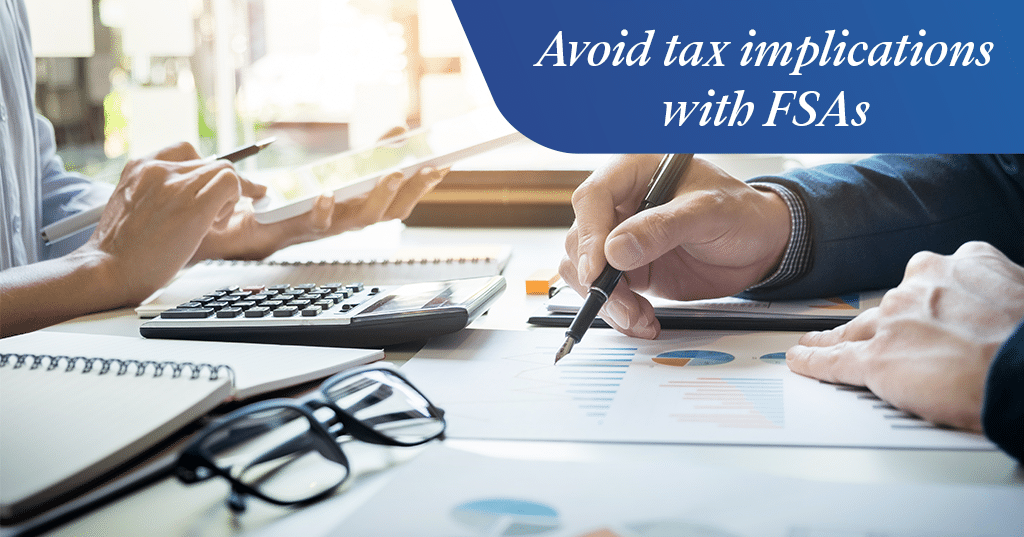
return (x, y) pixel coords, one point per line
(775, 358)
(693, 358)
(505, 516)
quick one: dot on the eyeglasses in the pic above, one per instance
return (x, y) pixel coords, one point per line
(288, 451)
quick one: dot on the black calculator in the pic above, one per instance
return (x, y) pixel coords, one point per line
(353, 314)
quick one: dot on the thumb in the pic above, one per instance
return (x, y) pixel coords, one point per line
(322, 214)
(644, 237)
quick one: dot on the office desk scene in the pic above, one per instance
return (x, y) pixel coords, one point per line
(417, 373)
(621, 438)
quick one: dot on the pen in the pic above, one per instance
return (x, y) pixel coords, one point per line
(662, 186)
(66, 227)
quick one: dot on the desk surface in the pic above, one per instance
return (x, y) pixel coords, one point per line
(169, 508)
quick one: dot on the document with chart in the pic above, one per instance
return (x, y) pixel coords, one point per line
(684, 387)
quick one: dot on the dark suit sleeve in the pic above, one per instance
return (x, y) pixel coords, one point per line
(1002, 415)
(868, 218)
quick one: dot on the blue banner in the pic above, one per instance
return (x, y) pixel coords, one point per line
(789, 76)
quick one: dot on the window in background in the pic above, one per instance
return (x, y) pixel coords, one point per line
(120, 78)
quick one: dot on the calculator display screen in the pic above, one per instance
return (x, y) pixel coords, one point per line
(421, 296)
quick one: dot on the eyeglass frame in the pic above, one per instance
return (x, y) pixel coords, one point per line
(193, 457)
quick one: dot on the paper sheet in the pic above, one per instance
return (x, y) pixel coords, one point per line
(685, 387)
(460, 494)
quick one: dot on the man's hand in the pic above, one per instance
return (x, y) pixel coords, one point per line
(927, 348)
(717, 237)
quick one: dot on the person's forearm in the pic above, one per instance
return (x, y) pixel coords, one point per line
(867, 219)
(49, 292)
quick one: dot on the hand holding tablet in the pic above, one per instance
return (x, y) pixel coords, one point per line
(353, 173)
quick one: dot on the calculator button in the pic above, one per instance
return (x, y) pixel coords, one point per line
(335, 298)
(374, 290)
(244, 304)
(299, 303)
(305, 286)
(354, 287)
(253, 288)
(216, 305)
(187, 313)
(241, 293)
(285, 311)
(279, 287)
(346, 307)
(189, 306)
(324, 304)
(259, 298)
(228, 313)
(258, 311)
(332, 286)
(273, 303)
(226, 290)
(311, 311)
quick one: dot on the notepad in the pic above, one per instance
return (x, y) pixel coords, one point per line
(388, 267)
(75, 406)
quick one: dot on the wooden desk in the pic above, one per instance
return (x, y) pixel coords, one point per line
(170, 508)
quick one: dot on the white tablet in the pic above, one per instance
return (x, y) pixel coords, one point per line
(352, 173)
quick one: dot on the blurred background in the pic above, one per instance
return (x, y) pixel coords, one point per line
(121, 78)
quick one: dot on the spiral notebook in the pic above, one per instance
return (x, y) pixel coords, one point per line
(378, 267)
(76, 406)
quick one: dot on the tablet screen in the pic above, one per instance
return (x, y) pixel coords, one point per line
(352, 173)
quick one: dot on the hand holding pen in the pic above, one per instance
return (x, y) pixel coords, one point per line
(715, 236)
(662, 187)
(73, 224)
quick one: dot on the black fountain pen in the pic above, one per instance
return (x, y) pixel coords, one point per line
(662, 187)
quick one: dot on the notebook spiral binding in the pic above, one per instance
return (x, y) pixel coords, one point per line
(119, 367)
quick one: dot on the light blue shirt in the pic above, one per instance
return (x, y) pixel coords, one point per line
(37, 190)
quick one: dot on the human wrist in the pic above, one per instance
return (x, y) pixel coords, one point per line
(105, 280)
(791, 260)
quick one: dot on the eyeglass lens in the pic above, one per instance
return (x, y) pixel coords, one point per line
(388, 404)
(276, 452)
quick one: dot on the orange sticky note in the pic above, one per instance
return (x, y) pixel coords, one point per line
(540, 281)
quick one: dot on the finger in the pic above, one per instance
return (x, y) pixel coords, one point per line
(630, 313)
(372, 207)
(924, 262)
(572, 247)
(218, 195)
(837, 363)
(179, 152)
(251, 189)
(411, 192)
(199, 175)
(567, 270)
(322, 213)
(695, 218)
(621, 181)
(393, 132)
(860, 328)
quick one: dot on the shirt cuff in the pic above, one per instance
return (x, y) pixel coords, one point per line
(796, 260)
